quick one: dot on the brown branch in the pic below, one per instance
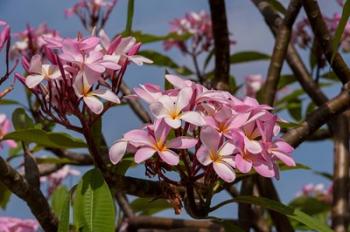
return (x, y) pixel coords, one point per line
(135, 105)
(221, 43)
(169, 223)
(245, 212)
(284, 32)
(32, 196)
(318, 118)
(324, 38)
(340, 174)
(124, 204)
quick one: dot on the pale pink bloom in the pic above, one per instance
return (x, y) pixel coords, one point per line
(318, 191)
(5, 126)
(154, 141)
(148, 92)
(122, 49)
(171, 109)
(10, 224)
(253, 84)
(56, 178)
(83, 90)
(4, 33)
(39, 72)
(220, 155)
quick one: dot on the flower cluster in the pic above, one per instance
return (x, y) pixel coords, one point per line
(32, 41)
(91, 11)
(198, 26)
(318, 191)
(5, 126)
(208, 130)
(55, 179)
(79, 69)
(9, 224)
(302, 35)
(4, 33)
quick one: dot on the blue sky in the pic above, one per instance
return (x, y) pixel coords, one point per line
(152, 16)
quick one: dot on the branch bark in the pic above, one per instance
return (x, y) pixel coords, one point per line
(32, 196)
(324, 38)
(222, 44)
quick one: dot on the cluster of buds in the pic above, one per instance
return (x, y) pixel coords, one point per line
(76, 70)
(213, 133)
(90, 12)
(318, 191)
(10, 224)
(32, 41)
(198, 26)
(55, 179)
(303, 34)
(5, 126)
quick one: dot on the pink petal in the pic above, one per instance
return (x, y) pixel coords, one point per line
(283, 146)
(210, 138)
(110, 65)
(169, 157)
(89, 43)
(224, 171)
(96, 67)
(174, 123)
(139, 60)
(265, 169)
(94, 104)
(139, 137)
(117, 151)
(35, 64)
(203, 156)
(33, 80)
(182, 142)
(177, 81)
(242, 164)
(193, 117)
(285, 158)
(157, 109)
(143, 154)
(107, 95)
(11, 143)
(161, 130)
(184, 97)
(227, 149)
(252, 146)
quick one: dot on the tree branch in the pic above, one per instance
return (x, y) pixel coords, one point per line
(323, 36)
(32, 196)
(222, 44)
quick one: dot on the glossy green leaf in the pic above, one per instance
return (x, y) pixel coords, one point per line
(150, 38)
(341, 26)
(94, 206)
(21, 120)
(290, 212)
(60, 206)
(48, 139)
(8, 102)
(130, 17)
(165, 61)
(5, 195)
(148, 206)
(326, 175)
(57, 198)
(248, 56)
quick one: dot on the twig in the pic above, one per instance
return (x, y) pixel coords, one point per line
(323, 36)
(222, 44)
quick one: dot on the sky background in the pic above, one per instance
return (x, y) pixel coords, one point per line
(152, 16)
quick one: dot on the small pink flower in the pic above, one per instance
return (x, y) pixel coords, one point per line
(253, 84)
(10, 224)
(5, 126)
(171, 108)
(148, 92)
(221, 156)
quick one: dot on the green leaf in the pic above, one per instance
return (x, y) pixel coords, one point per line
(94, 205)
(298, 166)
(63, 225)
(57, 198)
(290, 97)
(150, 38)
(330, 76)
(286, 80)
(47, 139)
(290, 212)
(21, 120)
(294, 108)
(130, 17)
(310, 205)
(277, 5)
(248, 56)
(326, 175)
(5, 195)
(341, 26)
(148, 206)
(165, 61)
(8, 102)
(53, 160)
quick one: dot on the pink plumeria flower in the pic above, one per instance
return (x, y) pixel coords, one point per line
(83, 90)
(40, 72)
(155, 141)
(220, 156)
(171, 108)
(122, 49)
(148, 92)
(10, 224)
(5, 126)
(253, 83)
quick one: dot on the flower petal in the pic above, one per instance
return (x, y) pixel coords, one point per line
(94, 104)
(174, 123)
(33, 80)
(143, 154)
(169, 157)
(107, 95)
(203, 156)
(242, 164)
(193, 117)
(210, 138)
(224, 171)
(184, 97)
(227, 149)
(182, 142)
(285, 158)
(117, 151)
(252, 146)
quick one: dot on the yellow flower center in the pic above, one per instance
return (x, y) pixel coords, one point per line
(160, 146)
(214, 156)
